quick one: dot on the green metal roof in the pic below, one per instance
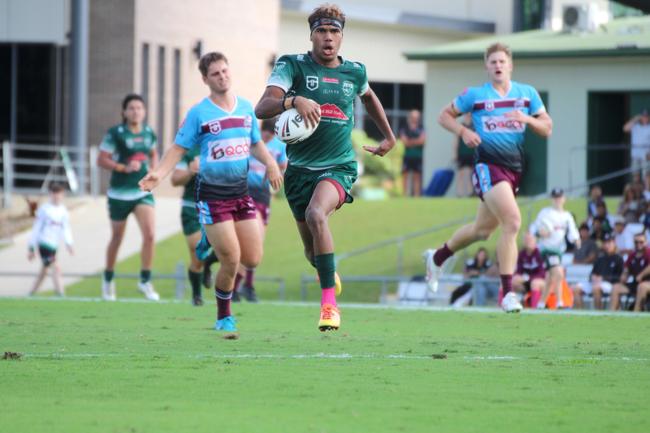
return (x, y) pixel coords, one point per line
(621, 37)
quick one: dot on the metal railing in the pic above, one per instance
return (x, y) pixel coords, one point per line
(179, 276)
(526, 205)
(63, 164)
(622, 149)
(385, 282)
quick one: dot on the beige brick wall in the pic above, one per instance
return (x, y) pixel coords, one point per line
(110, 68)
(246, 31)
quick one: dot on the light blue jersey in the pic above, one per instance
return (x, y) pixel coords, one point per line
(501, 137)
(258, 186)
(224, 139)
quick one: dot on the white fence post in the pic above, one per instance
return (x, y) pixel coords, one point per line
(94, 172)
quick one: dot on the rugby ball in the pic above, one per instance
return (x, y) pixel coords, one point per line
(291, 127)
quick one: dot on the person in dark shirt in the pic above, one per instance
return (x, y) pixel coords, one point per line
(413, 137)
(531, 273)
(599, 227)
(595, 197)
(481, 265)
(606, 272)
(635, 271)
(588, 251)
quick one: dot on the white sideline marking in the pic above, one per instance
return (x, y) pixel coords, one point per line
(375, 356)
(358, 306)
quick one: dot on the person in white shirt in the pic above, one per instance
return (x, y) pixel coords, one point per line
(639, 129)
(51, 225)
(553, 227)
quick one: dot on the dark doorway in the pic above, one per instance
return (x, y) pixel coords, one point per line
(607, 144)
(536, 160)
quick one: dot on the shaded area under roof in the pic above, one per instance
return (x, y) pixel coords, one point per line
(621, 37)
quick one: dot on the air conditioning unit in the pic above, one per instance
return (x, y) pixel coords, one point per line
(579, 18)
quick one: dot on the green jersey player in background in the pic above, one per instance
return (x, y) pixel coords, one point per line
(185, 175)
(322, 86)
(129, 151)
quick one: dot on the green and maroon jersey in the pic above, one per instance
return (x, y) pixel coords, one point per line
(125, 146)
(335, 90)
(188, 198)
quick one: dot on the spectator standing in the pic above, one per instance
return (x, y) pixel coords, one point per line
(587, 253)
(605, 273)
(413, 137)
(639, 129)
(465, 156)
(635, 272)
(51, 225)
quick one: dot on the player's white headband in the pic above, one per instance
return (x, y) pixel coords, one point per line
(326, 22)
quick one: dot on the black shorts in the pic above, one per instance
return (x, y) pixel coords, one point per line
(412, 163)
(48, 255)
(465, 161)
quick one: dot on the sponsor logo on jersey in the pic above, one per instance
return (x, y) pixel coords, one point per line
(332, 111)
(330, 80)
(279, 66)
(311, 82)
(228, 150)
(214, 126)
(326, 174)
(501, 124)
(348, 88)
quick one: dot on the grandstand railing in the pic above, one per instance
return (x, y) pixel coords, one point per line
(615, 148)
(429, 297)
(59, 164)
(526, 206)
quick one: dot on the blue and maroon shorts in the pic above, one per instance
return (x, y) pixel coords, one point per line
(486, 175)
(218, 211)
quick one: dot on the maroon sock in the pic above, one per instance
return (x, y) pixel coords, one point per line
(506, 283)
(250, 275)
(442, 254)
(223, 303)
(238, 278)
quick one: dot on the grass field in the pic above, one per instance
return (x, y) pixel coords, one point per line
(143, 367)
(355, 226)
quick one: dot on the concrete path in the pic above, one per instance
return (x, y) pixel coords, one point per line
(91, 231)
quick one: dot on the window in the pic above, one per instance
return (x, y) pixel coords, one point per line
(398, 99)
(529, 14)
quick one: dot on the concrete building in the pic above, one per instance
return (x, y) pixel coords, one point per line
(592, 82)
(144, 46)
(378, 31)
